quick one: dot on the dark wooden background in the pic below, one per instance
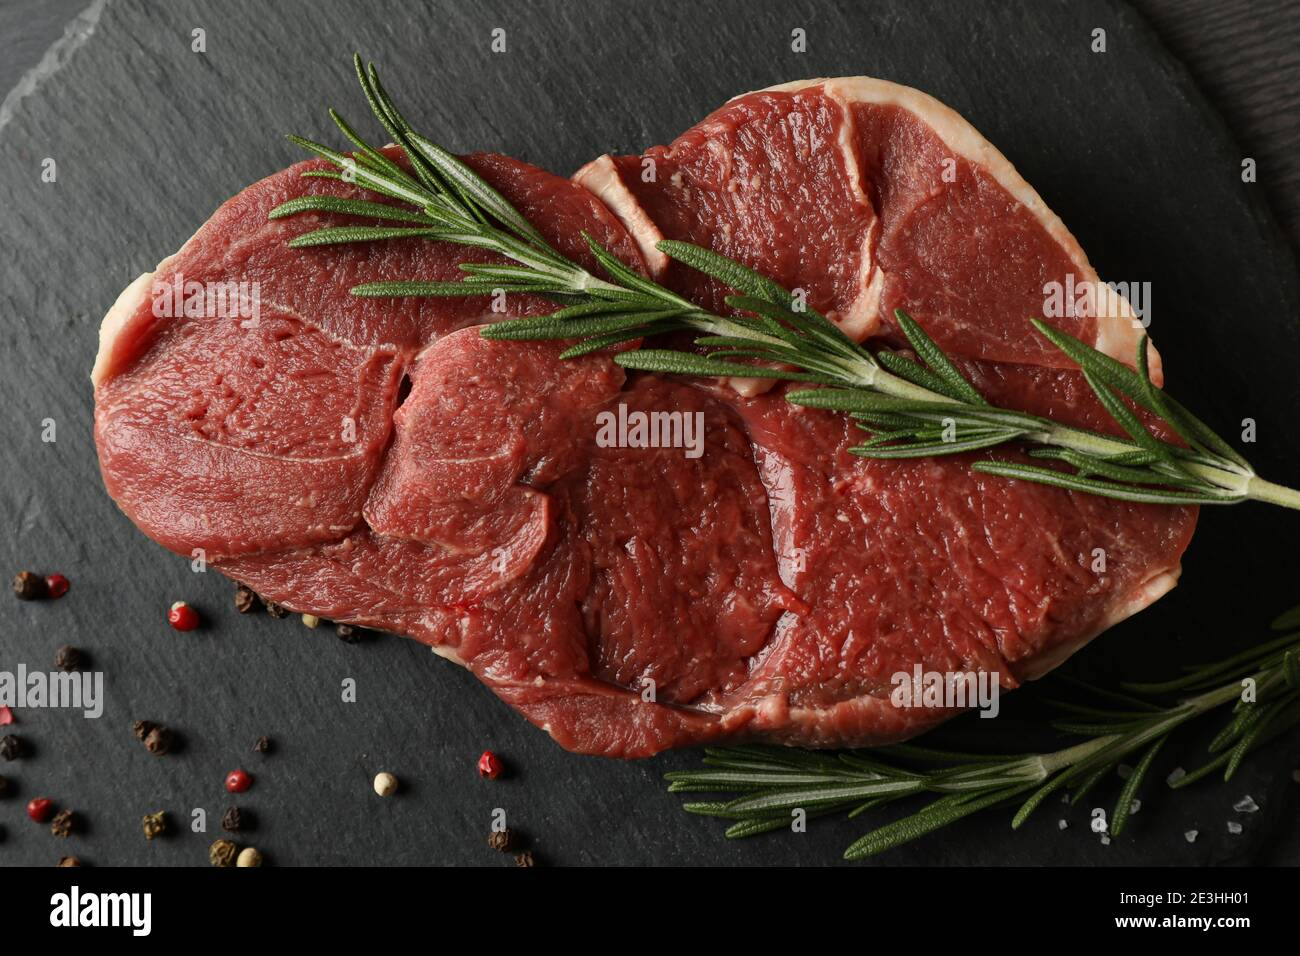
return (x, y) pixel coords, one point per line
(1245, 55)
(246, 676)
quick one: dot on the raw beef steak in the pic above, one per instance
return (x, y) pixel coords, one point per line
(377, 462)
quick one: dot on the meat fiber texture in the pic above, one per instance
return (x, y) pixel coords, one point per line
(377, 462)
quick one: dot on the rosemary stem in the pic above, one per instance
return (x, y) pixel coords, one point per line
(1176, 715)
(1091, 443)
(1261, 490)
(1219, 695)
(585, 281)
(1230, 479)
(1069, 756)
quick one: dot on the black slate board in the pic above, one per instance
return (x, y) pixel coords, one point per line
(150, 137)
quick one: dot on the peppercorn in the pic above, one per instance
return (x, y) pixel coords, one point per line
(233, 820)
(155, 824)
(56, 585)
(140, 729)
(61, 825)
(262, 745)
(237, 781)
(245, 599)
(158, 740)
(222, 853)
(525, 859)
(11, 747)
(40, 808)
(489, 765)
(68, 658)
(502, 840)
(249, 856)
(275, 610)
(348, 634)
(29, 586)
(385, 784)
(182, 617)
(69, 861)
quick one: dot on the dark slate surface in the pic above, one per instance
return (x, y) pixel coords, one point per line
(150, 137)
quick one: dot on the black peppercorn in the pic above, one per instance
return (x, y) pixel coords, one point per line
(525, 859)
(502, 840)
(68, 658)
(273, 609)
(347, 633)
(245, 599)
(11, 747)
(29, 586)
(158, 741)
(262, 745)
(61, 825)
(232, 820)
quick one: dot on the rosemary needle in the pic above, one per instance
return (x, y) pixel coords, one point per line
(907, 407)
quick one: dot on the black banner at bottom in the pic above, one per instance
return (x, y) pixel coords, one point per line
(336, 905)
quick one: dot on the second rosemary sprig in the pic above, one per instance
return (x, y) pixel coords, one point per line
(765, 785)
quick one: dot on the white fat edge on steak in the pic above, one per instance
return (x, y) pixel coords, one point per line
(602, 180)
(1118, 330)
(1138, 598)
(120, 314)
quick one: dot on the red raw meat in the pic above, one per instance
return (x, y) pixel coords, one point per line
(377, 462)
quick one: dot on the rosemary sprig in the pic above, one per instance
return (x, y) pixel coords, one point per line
(909, 407)
(1260, 688)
